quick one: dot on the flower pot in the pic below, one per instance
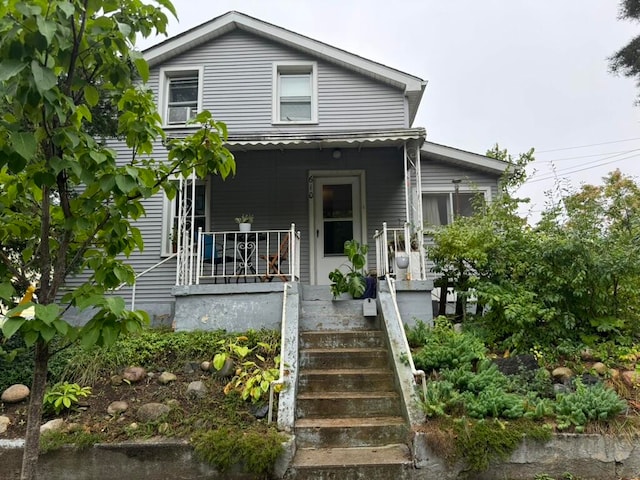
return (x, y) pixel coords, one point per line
(244, 227)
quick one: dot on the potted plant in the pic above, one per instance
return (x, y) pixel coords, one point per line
(354, 281)
(244, 222)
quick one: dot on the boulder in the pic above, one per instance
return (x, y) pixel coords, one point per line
(167, 377)
(196, 389)
(600, 368)
(631, 378)
(15, 393)
(205, 366)
(562, 373)
(227, 369)
(150, 412)
(134, 374)
(4, 423)
(517, 364)
(117, 407)
(52, 425)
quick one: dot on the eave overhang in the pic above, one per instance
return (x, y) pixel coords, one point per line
(462, 158)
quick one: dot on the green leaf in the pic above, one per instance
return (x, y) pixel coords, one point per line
(115, 305)
(125, 183)
(61, 326)
(6, 291)
(109, 335)
(30, 338)
(24, 144)
(46, 28)
(47, 313)
(44, 77)
(12, 325)
(47, 333)
(218, 360)
(91, 95)
(89, 337)
(10, 68)
(143, 68)
(67, 8)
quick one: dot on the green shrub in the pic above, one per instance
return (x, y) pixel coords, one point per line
(418, 334)
(587, 403)
(55, 439)
(63, 396)
(445, 348)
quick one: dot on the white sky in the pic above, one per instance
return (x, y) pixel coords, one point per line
(523, 73)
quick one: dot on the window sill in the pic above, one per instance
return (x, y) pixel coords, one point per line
(305, 122)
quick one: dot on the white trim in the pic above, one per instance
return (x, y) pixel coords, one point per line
(290, 67)
(363, 212)
(455, 155)
(169, 213)
(163, 90)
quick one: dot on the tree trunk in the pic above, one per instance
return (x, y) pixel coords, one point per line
(32, 437)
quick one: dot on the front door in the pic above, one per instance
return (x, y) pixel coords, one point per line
(337, 217)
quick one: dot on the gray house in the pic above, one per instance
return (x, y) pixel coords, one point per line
(326, 151)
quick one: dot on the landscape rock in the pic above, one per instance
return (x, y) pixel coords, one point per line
(631, 378)
(196, 389)
(561, 388)
(117, 407)
(562, 373)
(517, 364)
(150, 412)
(134, 374)
(52, 425)
(190, 367)
(205, 366)
(15, 393)
(260, 411)
(227, 369)
(4, 423)
(167, 377)
(116, 380)
(600, 368)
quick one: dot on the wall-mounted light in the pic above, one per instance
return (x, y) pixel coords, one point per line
(337, 153)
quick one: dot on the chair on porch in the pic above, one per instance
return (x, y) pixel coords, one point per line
(212, 254)
(275, 260)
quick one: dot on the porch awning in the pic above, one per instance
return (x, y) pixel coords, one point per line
(327, 139)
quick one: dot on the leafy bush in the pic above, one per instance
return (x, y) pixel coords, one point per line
(418, 334)
(445, 348)
(63, 396)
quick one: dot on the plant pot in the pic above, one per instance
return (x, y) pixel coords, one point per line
(244, 227)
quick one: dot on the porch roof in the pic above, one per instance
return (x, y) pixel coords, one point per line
(326, 139)
(463, 158)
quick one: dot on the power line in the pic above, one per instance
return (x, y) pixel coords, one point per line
(549, 177)
(587, 156)
(590, 145)
(594, 163)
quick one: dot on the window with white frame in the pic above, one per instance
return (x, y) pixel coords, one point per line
(200, 207)
(181, 95)
(295, 93)
(440, 208)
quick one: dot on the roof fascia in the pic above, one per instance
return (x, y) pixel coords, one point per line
(231, 20)
(473, 160)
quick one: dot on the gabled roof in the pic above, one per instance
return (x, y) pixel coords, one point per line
(412, 86)
(463, 158)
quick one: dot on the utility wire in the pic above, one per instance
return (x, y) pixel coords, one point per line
(586, 156)
(593, 163)
(549, 177)
(590, 145)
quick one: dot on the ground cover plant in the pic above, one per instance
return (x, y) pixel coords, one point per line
(224, 408)
(477, 413)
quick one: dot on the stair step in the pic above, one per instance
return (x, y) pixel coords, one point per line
(347, 404)
(350, 432)
(372, 463)
(342, 339)
(359, 379)
(335, 315)
(332, 358)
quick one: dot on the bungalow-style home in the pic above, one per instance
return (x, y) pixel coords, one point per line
(326, 151)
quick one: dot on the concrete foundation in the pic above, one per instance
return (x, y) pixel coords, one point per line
(414, 301)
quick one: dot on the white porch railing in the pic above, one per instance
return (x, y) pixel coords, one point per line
(398, 255)
(262, 255)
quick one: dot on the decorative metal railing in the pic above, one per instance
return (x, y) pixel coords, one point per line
(263, 255)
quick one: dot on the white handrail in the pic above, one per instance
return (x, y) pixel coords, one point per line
(283, 329)
(144, 272)
(414, 372)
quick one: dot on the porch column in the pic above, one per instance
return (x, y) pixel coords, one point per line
(413, 200)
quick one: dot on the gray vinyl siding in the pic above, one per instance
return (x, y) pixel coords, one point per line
(438, 176)
(238, 71)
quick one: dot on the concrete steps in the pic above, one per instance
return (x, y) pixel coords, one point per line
(349, 417)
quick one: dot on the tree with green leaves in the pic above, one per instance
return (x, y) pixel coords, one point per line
(67, 206)
(627, 60)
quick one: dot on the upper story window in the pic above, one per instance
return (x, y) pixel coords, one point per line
(440, 208)
(295, 93)
(181, 98)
